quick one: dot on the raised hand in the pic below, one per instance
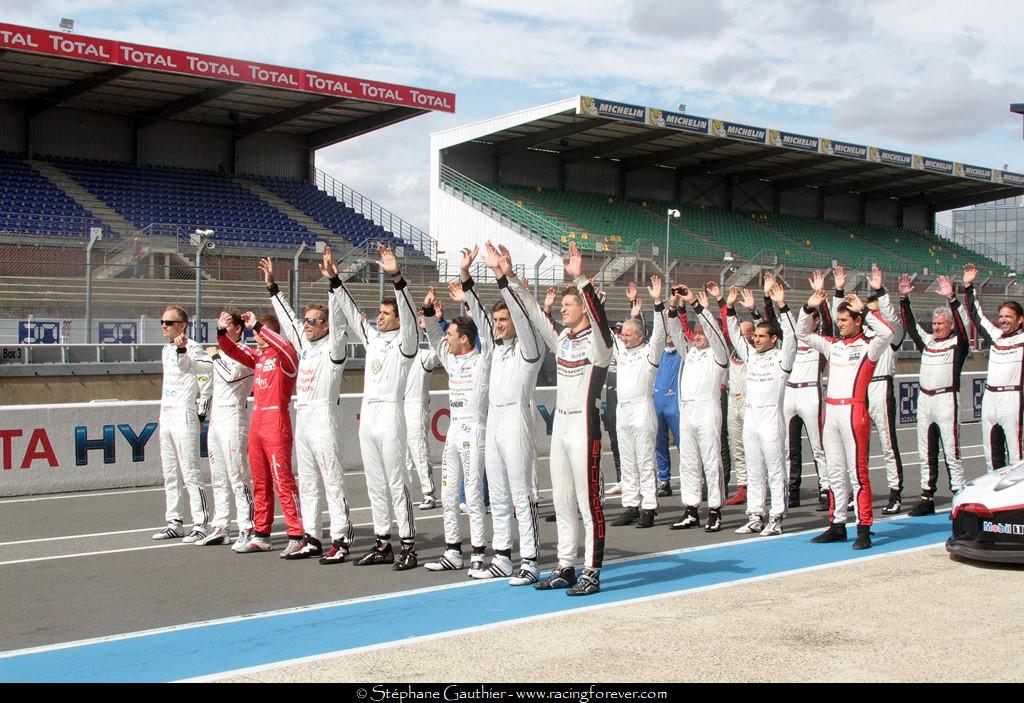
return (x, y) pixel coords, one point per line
(817, 280)
(778, 295)
(702, 298)
(747, 299)
(492, 258)
(840, 276)
(574, 262)
(769, 281)
(248, 319)
(631, 291)
(732, 296)
(455, 292)
(855, 303)
(328, 269)
(945, 286)
(468, 257)
(875, 279)
(713, 290)
(181, 341)
(655, 288)
(388, 260)
(816, 299)
(223, 321)
(267, 267)
(430, 299)
(636, 308)
(506, 261)
(970, 274)
(549, 298)
(906, 285)
(675, 301)
(602, 296)
(687, 293)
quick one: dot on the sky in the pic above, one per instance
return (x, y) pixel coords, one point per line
(930, 77)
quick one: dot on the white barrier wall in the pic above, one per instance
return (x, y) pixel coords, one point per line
(89, 446)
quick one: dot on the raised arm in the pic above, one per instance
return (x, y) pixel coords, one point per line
(805, 325)
(656, 345)
(226, 372)
(357, 327)
(787, 327)
(918, 335)
(337, 323)
(434, 336)
(290, 325)
(712, 330)
(239, 352)
(885, 306)
(733, 326)
(988, 330)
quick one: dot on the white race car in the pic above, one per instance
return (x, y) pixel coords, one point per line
(988, 517)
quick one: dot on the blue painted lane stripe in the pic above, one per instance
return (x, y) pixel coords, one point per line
(204, 650)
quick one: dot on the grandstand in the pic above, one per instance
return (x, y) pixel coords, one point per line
(604, 174)
(147, 145)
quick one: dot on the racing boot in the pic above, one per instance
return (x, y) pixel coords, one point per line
(628, 517)
(562, 577)
(822, 502)
(588, 584)
(406, 558)
(690, 519)
(740, 498)
(925, 506)
(380, 554)
(646, 519)
(863, 540)
(836, 532)
(794, 500)
(895, 503)
(714, 523)
(664, 489)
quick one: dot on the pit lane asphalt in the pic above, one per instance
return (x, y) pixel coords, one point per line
(83, 565)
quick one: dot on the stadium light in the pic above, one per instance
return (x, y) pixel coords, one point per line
(672, 212)
(682, 107)
(67, 24)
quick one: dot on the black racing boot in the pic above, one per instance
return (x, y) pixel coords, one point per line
(895, 503)
(925, 506)
(836, 532)
(646, 519)
(628, 517)
(863, 540)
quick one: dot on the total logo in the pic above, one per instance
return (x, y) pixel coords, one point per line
(1002, 528)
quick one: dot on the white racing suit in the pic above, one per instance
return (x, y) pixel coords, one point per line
(463, 458)
(700, 411)
(635, 418)
(1003, 402)
(187, 387)
(318, 414)
(510, 451)
(764, 430)
(938, 412)
(417, 419)
(389, 355)
(846, 429)
(582, 358)
(228, 440)
(882, 392)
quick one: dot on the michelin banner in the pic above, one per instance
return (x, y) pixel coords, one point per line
(789, 140)
(677, 121)
(89, 446)
(596, 107)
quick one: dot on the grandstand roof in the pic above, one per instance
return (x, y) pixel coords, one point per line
(46, 69)
(636, 136)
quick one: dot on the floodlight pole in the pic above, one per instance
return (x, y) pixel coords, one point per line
(672, 212)
(201, 240)
(295, 273)
(95, 234)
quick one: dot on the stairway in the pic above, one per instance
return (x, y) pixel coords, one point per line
(338, 243)
(113, 220)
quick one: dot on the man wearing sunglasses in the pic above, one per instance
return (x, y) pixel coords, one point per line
(186, 395)
(319, 338)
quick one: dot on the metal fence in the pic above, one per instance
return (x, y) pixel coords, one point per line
(57, 290)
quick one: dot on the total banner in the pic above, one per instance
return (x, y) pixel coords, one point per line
(130, 54)
(91, 446)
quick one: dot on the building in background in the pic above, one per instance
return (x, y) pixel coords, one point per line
(998, 226)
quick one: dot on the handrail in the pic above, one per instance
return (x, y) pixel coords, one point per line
(986, 250)
(374, 212)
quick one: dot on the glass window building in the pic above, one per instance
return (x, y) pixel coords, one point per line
(998, 225)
